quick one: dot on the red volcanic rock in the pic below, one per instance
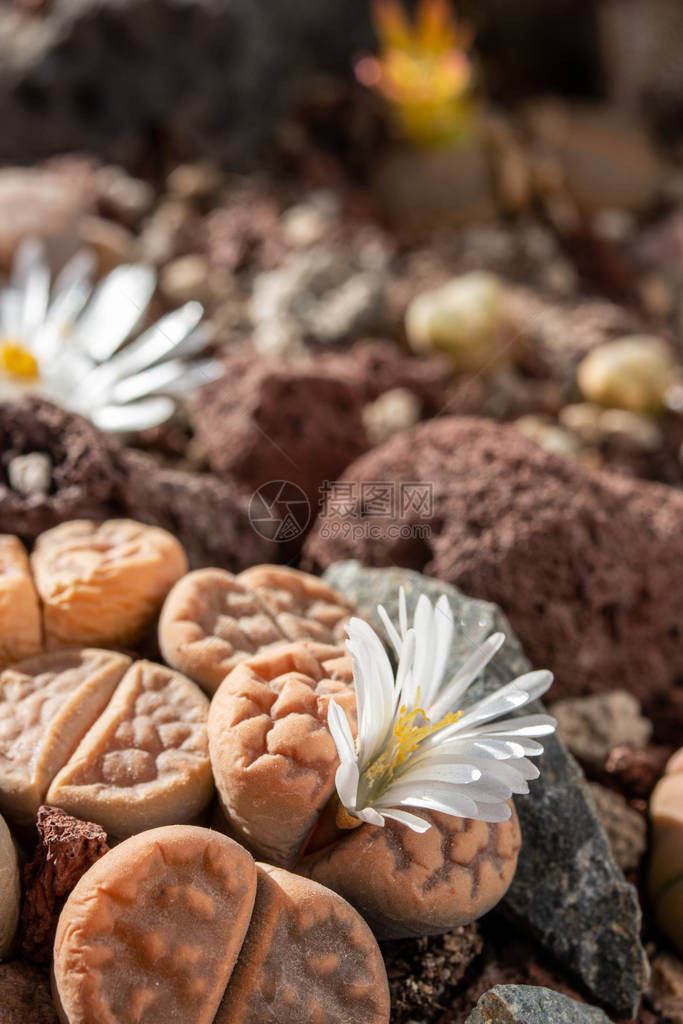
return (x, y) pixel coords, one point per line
(265, 420)
(585, 565)
(81, 470)
(66, 849)
(373, 367)
(206, 514)
(25, 995)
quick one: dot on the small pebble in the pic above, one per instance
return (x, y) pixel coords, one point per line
(626, 829)
(462, 319)
(111, 243)
(30, 474)
(185, 278)
(592, 726)
(195, 181)
(548, 435)
(631, 373)
(630, 429)
(397, 409)
(127, 198)
(308, 222)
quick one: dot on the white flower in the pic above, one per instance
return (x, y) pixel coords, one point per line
(416, 746)
(66, 342)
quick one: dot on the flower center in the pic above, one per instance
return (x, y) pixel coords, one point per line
(17, 360)
(405, 738)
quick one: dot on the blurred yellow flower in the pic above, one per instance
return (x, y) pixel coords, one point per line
(422, 71)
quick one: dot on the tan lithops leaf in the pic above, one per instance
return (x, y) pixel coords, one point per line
(272, 754)
(10, 889)
(308, 956)
(302, 605)
(145, 762)
(209, 623)
(20, 625)
(103, 583)
(152, 930)
(666, 864)
(47, 704)
(406, 883)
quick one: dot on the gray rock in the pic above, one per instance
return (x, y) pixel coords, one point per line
(568, 891)
(532, 1004)
(592, 726)
(325, 293)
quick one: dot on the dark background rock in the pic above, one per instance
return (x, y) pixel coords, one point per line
(66, 848)
(552, 544)
(568, 891)
(211, 77)
(531, 1004)
(118, 75)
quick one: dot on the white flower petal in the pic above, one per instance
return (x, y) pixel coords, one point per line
(346, 781)
(119, 303)
(339, 726)
(449, 697)
(137, 416)
(374, 681)
(174, 378)
(31, 280)
(493, 813)
(413, 822)
(392, 633)
(369, 815)
(427, 771)
(446, 803)
(159, 342)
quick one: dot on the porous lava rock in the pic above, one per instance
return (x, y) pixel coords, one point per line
(585, 564)
(373, 367)
(25, 995)
(265, 420)
(82, 474)
(206, 514)
(66, 848)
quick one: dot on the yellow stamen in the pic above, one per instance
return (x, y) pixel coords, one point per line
(406, 738)
(17, 361)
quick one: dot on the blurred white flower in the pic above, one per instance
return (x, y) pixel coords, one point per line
(69, 342)
(417, 747)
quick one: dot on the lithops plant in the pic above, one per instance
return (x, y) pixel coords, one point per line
(666, 864)
(21, 633)
(179, 923)
(383, 785)
(272, 753)
(212, 620)
(121, 744)
(103, 584)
